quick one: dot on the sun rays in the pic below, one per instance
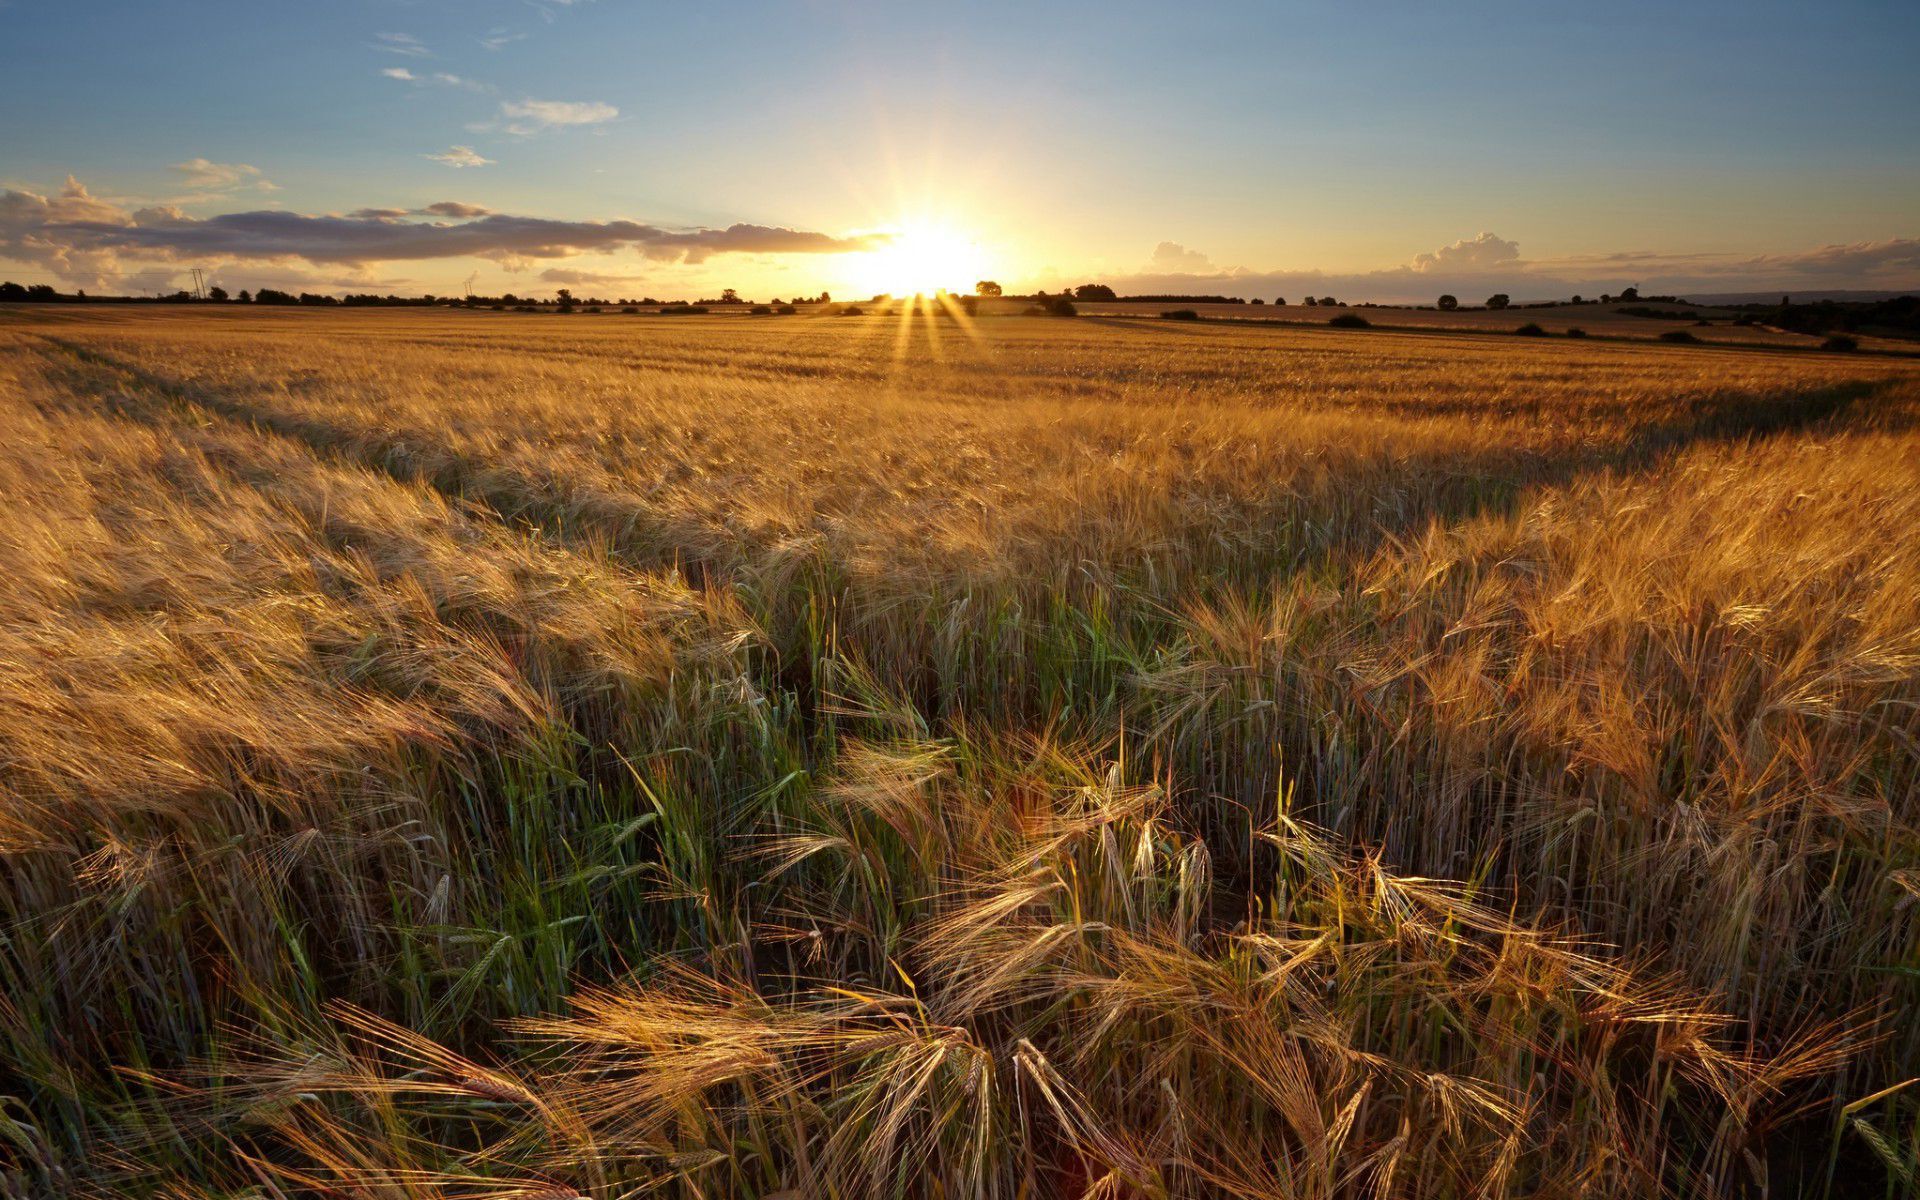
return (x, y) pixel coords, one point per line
(922, 256)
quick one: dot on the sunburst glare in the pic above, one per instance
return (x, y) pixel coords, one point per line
(922, 256)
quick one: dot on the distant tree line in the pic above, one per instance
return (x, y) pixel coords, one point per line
(38, 293)
(42, 293)
(1896, 317)
(1172, 299)
(1899, 316)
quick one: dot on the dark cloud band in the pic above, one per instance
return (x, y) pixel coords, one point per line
(75, 227)
(374, 236)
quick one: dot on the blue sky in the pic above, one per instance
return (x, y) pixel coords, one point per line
(1258, 146)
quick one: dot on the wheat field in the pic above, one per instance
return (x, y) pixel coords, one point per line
(456, 754)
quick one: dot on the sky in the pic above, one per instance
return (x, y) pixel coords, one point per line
(629, 147)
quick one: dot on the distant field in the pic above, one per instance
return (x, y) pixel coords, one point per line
(484, 754)
(1598, 320)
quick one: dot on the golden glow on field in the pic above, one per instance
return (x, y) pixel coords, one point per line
(921, 257)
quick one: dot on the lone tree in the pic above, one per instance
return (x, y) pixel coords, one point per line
(987, 287)
(1449, 302)
(1280, 301)
(1498, 300)
(1632, 293)
(729, 296)
(1093, 291)
(217, 294)
(1329, 302)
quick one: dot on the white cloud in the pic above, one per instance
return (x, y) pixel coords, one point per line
(443, 78)
(401, 43)
(1173, 257)
(531, 116)
(213, 176)
(498, 38)
(461, 156)
(1484, 253)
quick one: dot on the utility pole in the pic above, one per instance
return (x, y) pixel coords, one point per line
(199, 285)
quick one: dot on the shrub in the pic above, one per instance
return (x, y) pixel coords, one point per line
(593, 308)
(1576, 331)
(1840, 341)
(1531, 329)
(1679, 335)
(1350, 321)
(785, 310)
(1498, 300)
(1060, 306)
(683, 310)
(761, 310)
(499, 307)
(1180, 314)
(629, 309)
(853, 310)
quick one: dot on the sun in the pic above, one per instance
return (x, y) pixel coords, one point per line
(921, 257)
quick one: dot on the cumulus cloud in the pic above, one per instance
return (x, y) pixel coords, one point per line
(532, 116)
(80, 237)
(1484, 253)
(28, 222)
(1173, 258)
(461, 156)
